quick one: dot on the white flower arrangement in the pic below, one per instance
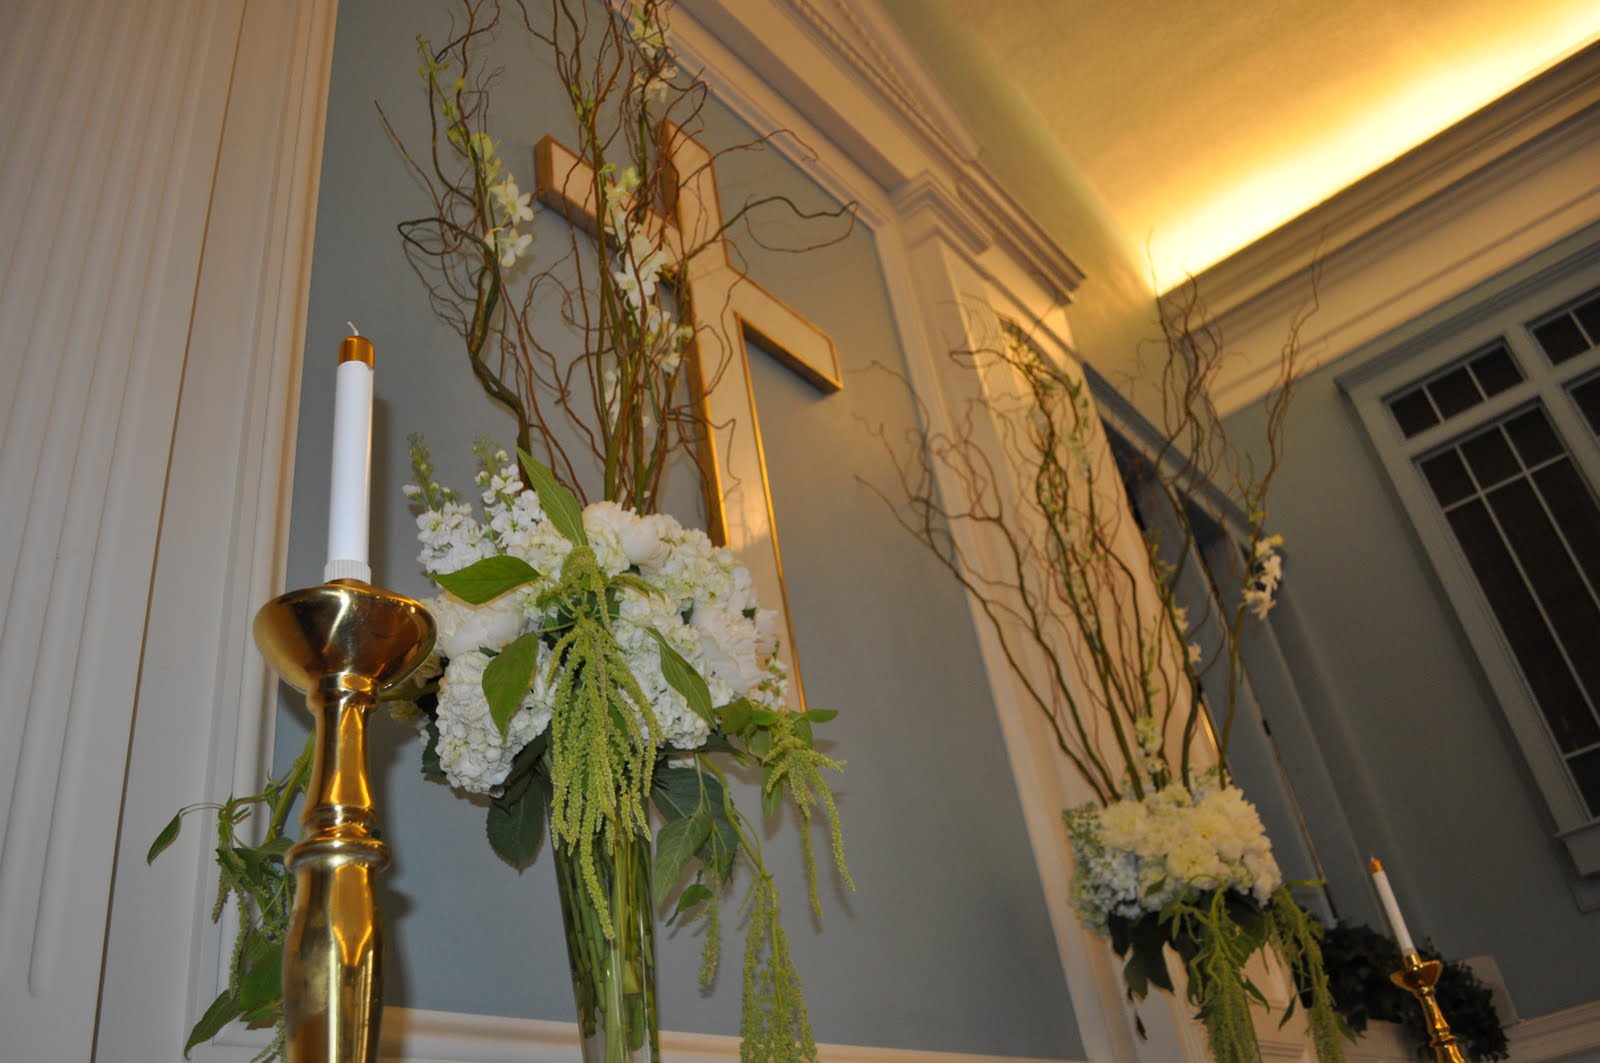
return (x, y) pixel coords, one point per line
(1136, 857)
(694, 594)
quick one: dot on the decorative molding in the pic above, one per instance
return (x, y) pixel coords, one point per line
(417, 1036)
(1477, 199)
(846, 68)
(1370, 205)
(1570, 1036)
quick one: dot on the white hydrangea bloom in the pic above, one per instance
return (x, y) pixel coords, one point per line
(474, 754)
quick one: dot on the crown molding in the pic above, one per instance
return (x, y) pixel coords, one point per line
(848, 71)
(1282, 259)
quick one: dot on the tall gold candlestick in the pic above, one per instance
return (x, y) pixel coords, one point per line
(1418, 977)
(341, 644)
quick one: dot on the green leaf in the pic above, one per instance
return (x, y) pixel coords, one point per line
(735, 715)
(802, 729)
(682, 677)
(430, 752)
(676, 844)
(771, 797)
(487, 579)
(168, 835)
(509, 676)
(761, 743)
(261, 984)
(278, 846)
(559, 504)
(515, 825)
(682, 792)
(722, 845)
(821, 715)
(222, 1011)
(676, 792)
(693, 894)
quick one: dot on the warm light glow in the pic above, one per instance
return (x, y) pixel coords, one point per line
(1287, 178)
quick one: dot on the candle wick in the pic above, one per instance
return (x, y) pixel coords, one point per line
(353, 330)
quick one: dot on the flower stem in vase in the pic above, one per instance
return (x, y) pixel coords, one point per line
(613, 978)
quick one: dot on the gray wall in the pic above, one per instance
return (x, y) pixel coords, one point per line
(946, 945)
(1425, 765)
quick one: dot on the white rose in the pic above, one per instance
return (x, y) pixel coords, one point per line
(464, 627)
(644, 540)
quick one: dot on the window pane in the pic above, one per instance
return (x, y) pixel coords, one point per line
(1587, 396)
(1454, 392)
(1585, 768)
(1588, 316)
(1573, 506)
(1557, 584)
(1561, 339)
(1554, 688)
(1490, 457)
(1448, 477)
(1413, 412)
(1535, 440)
(1496, 371)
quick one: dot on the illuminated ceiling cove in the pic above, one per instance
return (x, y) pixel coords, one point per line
(1206, 124)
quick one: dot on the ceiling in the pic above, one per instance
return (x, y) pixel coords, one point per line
(1205, 124)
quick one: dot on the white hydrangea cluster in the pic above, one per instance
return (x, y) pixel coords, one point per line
(1138, 856)
(474, 754)
(703, 605)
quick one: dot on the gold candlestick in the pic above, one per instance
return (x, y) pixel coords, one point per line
(341, 644)
(1418, 977)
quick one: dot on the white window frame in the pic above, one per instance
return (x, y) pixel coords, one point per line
(1497, 311)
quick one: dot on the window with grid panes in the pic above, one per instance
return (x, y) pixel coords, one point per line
(1492, 437)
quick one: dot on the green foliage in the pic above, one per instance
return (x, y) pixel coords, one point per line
(793, 764)
(508, 678)
(1215, 933)
(603, 741)
(515, 823)
(255, 879)
(558, 503)
(1359, 961)
(683, 678)
(487, 578)
(1297, 939)
(774, 1024)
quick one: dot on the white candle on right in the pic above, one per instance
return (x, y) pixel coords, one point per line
(1391, 907)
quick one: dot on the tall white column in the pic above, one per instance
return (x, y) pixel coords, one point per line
(159, 166)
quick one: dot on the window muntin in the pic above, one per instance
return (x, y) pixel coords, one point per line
(1454, 390)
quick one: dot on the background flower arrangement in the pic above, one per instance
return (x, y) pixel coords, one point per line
(1170, 854)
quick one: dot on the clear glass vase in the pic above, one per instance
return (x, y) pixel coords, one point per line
(613, 979)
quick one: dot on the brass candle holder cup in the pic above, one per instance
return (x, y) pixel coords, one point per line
(341, 644)
(1418, 977)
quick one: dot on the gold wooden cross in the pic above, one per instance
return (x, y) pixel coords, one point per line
(727, 309)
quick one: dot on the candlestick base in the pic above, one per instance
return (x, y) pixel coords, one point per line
(341, 644)
(1418, 977)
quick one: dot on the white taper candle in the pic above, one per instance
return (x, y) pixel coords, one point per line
(349, 493)
(1391, 907)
